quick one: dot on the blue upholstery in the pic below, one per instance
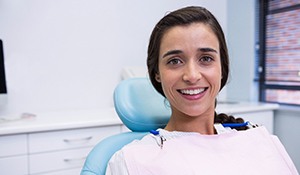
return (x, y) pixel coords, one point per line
(141, 109)
(98, 158)
(140, 106)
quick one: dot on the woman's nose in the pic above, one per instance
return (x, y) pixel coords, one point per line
(191, 73)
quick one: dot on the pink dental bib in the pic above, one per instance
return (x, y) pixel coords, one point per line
(253, 151)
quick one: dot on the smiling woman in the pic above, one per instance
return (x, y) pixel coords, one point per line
(188, 64)
(190, 48)
(190, 73)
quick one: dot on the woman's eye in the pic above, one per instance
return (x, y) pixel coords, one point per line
(206, 59)
(174, 61)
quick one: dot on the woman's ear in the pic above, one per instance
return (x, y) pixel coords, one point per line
(157, 77)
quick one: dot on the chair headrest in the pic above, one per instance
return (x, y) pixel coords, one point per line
(140, 107)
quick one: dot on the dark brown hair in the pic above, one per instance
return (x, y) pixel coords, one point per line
(183, 17)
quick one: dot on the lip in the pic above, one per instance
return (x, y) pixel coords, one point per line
(194, 93)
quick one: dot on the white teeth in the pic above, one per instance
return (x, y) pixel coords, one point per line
(192, 92)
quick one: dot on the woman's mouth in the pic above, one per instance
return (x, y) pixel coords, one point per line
(193, 94)
(192, 91)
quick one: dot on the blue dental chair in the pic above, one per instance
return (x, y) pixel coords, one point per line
(141, 109)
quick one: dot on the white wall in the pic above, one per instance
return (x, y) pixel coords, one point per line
(241, 42)
(287, 121)
(68, 54)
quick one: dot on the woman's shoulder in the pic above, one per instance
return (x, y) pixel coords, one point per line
(146, 140)
(117, 163)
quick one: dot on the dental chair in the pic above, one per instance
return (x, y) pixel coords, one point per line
(141, 108)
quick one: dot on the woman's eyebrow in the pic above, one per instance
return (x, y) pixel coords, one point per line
(172, 52)
(207, 49)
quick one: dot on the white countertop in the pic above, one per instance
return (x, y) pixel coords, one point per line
(94, 118)
(61, 120)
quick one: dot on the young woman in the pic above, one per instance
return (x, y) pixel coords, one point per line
(188, 64)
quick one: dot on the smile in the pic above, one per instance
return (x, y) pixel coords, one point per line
(192, 91)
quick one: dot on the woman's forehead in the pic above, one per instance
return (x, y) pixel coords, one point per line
(197, 35)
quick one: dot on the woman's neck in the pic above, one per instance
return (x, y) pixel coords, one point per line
(203, 124)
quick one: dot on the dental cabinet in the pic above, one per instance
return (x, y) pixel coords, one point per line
(58, 143)
(53, 143)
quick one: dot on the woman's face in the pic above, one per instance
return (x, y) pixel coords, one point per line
(190, 69)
